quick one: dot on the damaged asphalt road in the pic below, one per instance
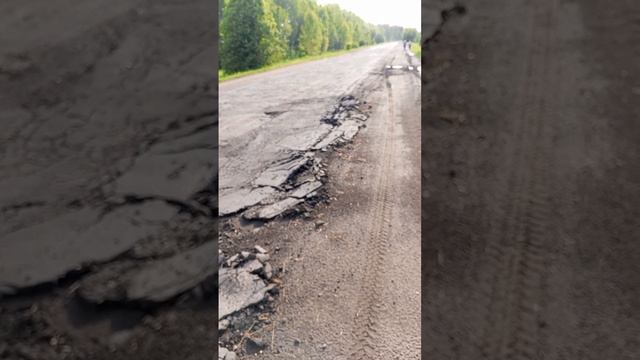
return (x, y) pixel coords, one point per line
(107, 179)
(273, 125)
(294, 175)
(332, 141)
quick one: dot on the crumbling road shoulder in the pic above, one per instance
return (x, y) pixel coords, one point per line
(335, 258)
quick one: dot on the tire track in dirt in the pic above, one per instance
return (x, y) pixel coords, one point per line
(521, 335)
(366, 320)
(514, 285)
(541, 248)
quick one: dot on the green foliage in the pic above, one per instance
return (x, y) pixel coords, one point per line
(240, 30)
(275, 32)
(257, 33)
(311, 35)
(391, 33)
(221, 5)
(416, 49)
(296, 9)
(410, 35)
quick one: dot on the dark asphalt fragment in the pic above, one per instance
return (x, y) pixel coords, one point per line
(331, 138)
(253, 346)
(349, 129)
(156, 281)
(164, 279)
(346, 119)
(279, 174)
(243, 283)
(48, 251)
(271, 211)
(239, 289)
(244, 198)
(305, 189)
(224, 354)
(175, 175)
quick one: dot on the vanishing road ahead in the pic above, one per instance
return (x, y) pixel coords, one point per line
(350, 265)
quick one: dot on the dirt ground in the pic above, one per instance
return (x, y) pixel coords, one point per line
(350, 266)
(531, 183)
(108, 141)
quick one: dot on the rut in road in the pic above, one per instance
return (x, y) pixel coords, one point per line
(380, 227)
(515, 275)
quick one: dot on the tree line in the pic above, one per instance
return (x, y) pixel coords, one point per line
(256, 33)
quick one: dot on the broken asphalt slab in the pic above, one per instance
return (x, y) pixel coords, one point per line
(165, 279)
(243, 198)
(269, 212)
(280, 173)
(154, 282)
(243, 281)
(177, 169)
(224, 354)
(170, 175)
(48, 251)
(284, 120)
(305, 189)
(300, 167)
(288, 201)
(238, 289)
(331, 138)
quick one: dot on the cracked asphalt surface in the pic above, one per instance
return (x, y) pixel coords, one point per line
(344, 263)
(273, 118)
(531, 185)
(107, 168)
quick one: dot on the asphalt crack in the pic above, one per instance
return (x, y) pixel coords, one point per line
(192, 207)
(295, 180)
(445, 16)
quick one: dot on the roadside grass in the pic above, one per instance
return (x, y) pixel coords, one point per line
(222, 76)
(416, 49)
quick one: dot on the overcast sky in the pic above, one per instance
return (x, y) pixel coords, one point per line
(405, 13)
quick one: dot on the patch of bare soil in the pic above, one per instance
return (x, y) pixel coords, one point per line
(531, 192)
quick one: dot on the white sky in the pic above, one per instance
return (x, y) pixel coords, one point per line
(404, 13)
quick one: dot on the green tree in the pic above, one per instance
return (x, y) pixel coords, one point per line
(310, 42)
(325, 19)
(410, 34)
(254, 33)
(274, 33)
(239, 48)
(391, 33)
(296, 9)
(221, 5)
(284, 26)
(334, 18)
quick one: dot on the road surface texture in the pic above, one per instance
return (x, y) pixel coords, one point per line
(107, 166)
(532, 184)
(349, 266)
